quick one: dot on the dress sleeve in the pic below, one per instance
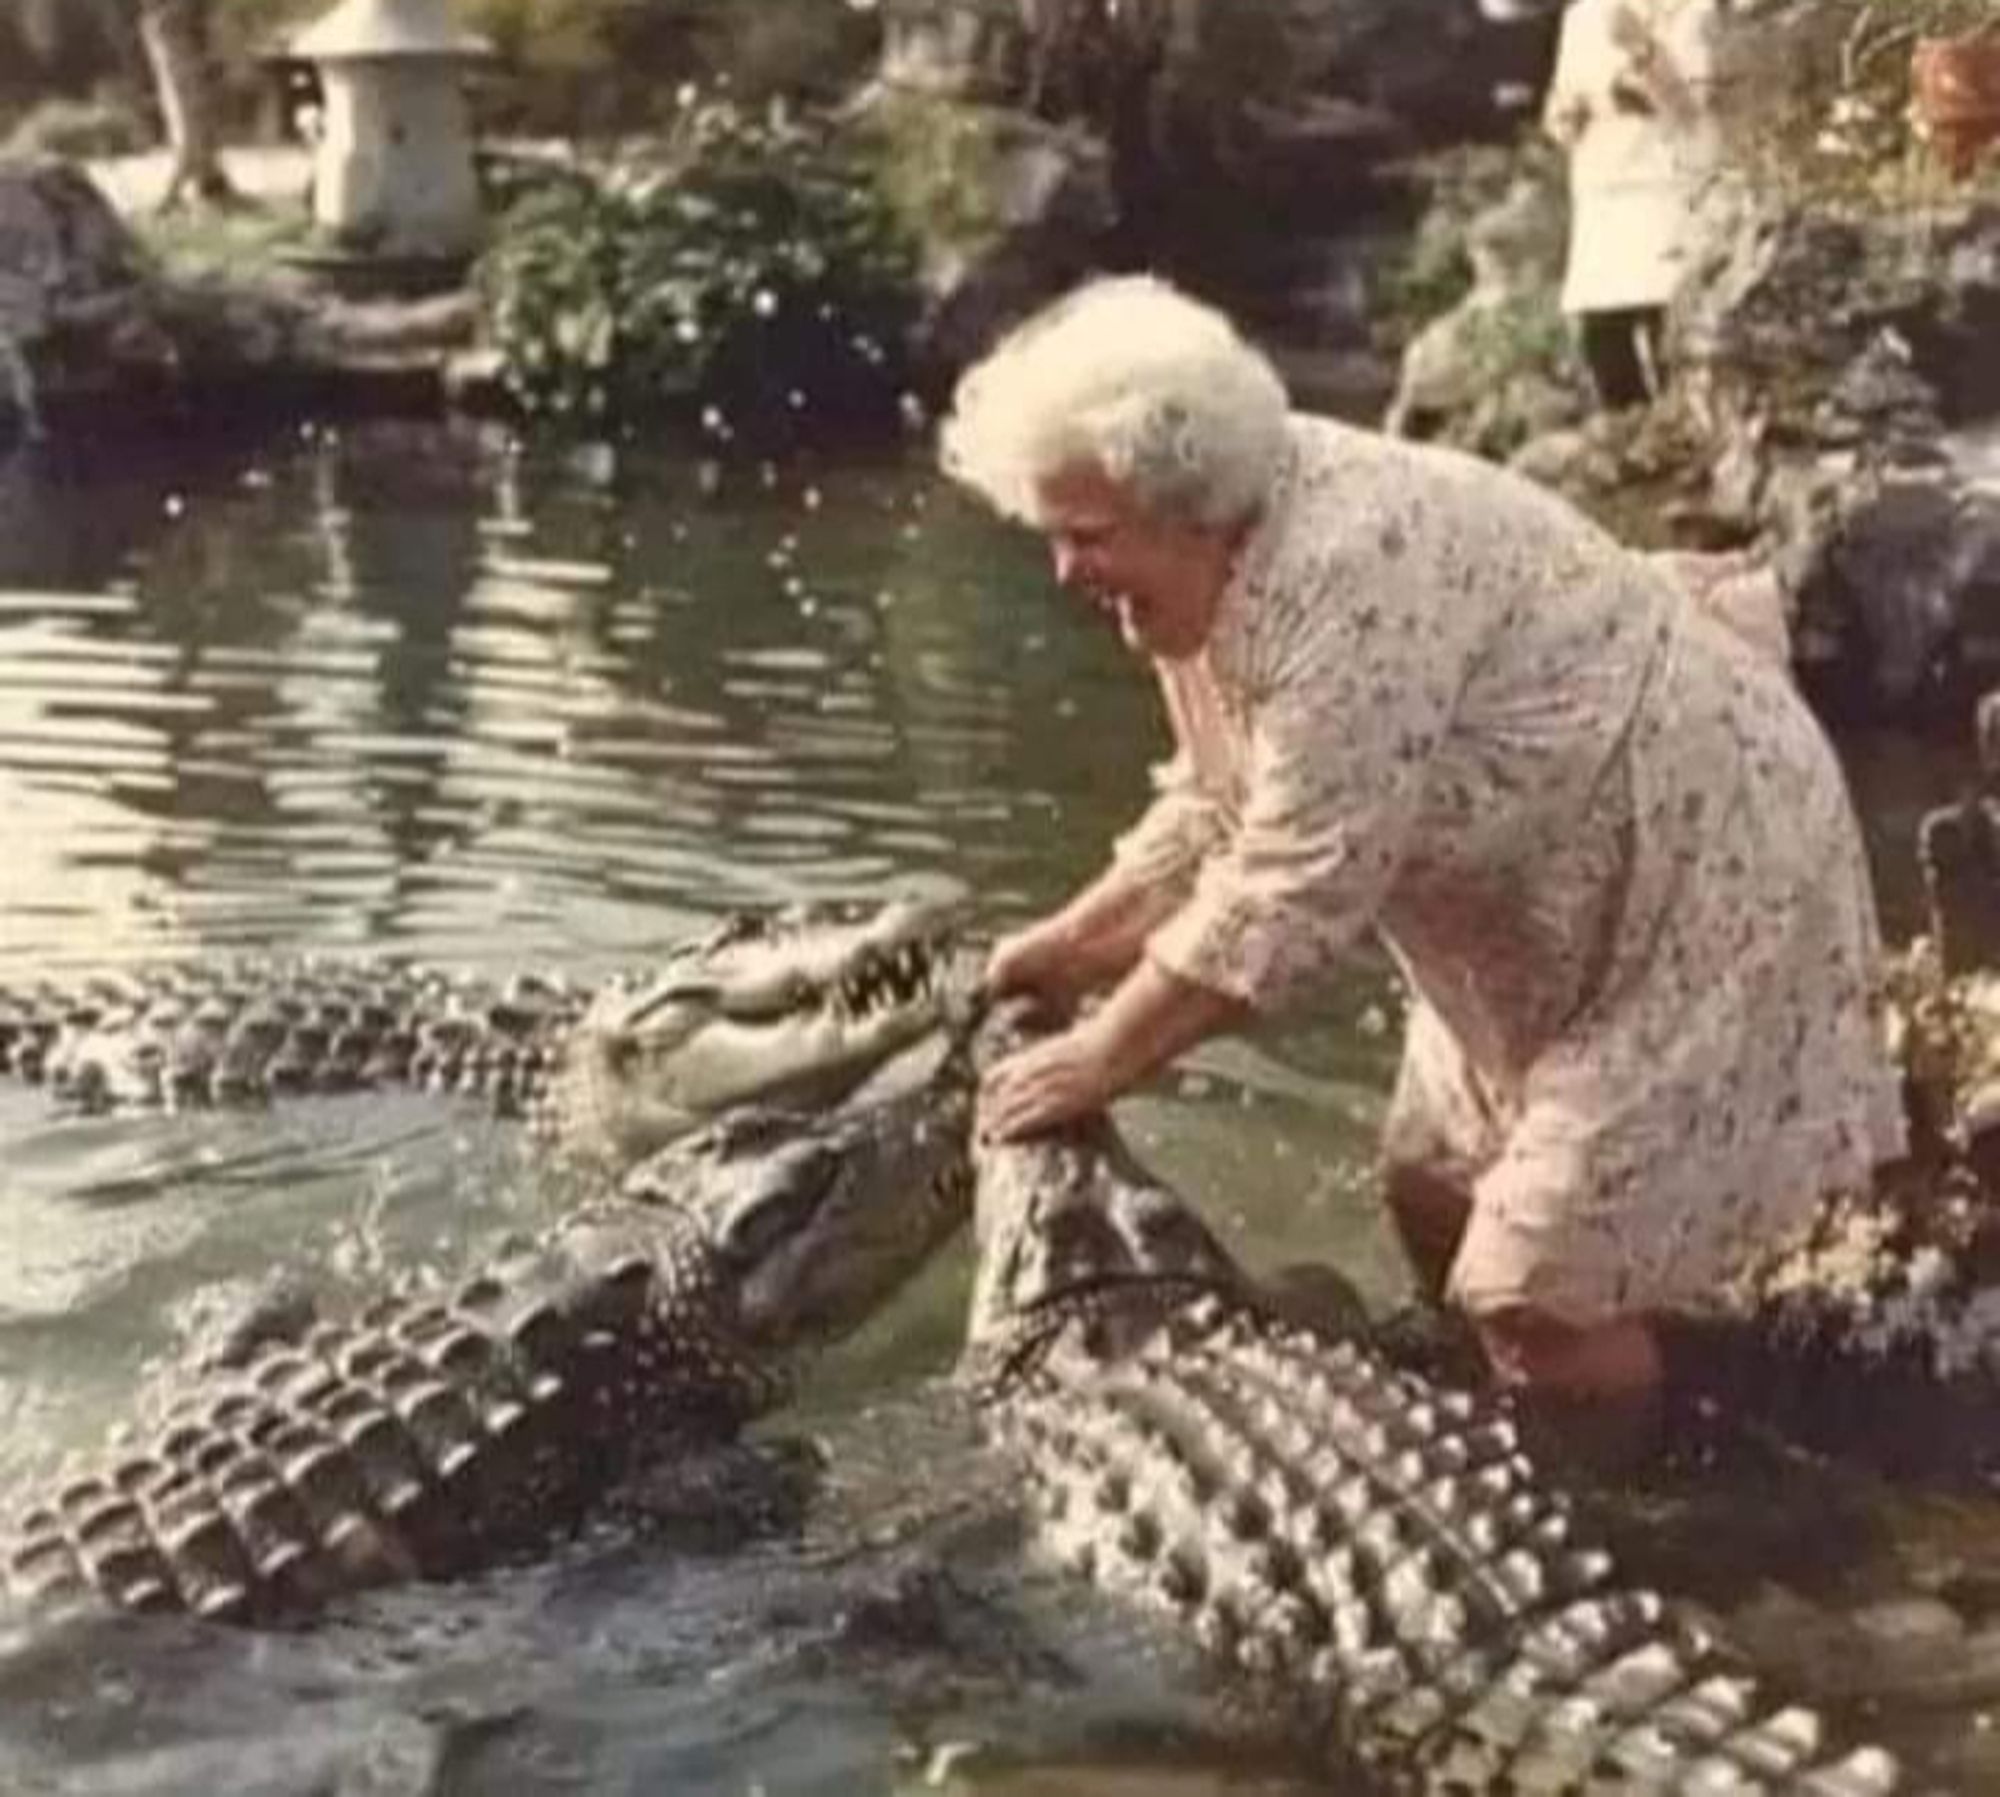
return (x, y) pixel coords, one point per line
(1180, 829)
(1340, 750)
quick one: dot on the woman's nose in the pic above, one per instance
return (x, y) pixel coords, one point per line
(1066, 560)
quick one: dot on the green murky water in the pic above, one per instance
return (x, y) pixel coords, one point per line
(407, 689)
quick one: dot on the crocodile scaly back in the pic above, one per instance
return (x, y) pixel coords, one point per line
(432, 1434)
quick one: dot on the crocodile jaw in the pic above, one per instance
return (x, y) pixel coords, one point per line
(798, 1015)
(811, 1220)
(629, 1097)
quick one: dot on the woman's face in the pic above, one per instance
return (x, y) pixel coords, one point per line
(1158, 578)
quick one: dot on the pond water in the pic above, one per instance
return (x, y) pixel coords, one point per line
(410, 689)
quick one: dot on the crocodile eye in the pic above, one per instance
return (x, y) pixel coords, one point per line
(758, 1129)
(780, 1205)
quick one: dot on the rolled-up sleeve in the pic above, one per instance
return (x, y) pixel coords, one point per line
(1340, 753)
(1178, 832)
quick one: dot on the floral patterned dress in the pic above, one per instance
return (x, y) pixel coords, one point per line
(1602, 835)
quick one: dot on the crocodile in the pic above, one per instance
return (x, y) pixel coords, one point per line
(796, 1006)
(434, 1431)
(1360, 1550)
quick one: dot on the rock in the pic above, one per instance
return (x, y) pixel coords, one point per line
(1037, 223)
(1837, 366)
(1958, 853)
(1889, 567)
(61, 242)
(75, 293)
(1495, 370)
(950, 49)
(86, 322)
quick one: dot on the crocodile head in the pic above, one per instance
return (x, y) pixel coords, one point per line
(806, 1222)
(793, 1009)
(1070, 1224)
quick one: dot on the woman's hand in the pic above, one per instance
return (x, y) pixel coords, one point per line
(1152, 1017)
(1055, 1080)
(1028, 962)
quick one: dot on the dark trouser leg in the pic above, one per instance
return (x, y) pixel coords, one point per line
(1430, 1213)
(1594, 1392)
(1622, 348)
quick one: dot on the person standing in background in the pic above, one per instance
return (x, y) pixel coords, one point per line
(1631, 100)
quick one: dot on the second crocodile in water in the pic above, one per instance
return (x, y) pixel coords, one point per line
(794, 1006)
(436, 1432)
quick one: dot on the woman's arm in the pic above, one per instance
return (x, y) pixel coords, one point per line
(1092, 941)
(1151, 1018)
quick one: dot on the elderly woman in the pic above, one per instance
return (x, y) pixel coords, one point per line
(1601, 834)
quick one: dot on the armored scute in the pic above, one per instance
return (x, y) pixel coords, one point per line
(796, 1006)
(434, 1433)
(1372, 1556)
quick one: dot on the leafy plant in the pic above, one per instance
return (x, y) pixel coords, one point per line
(60, 126)
(234, 242)
(934, 162)
(747, 267)
(1433, 271)
(1815, 98)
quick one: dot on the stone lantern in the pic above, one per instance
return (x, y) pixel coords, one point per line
(393, 179)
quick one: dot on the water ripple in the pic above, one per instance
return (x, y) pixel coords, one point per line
(412, 690)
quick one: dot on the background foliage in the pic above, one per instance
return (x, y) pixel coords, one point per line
(587, 68)
(1816, 99)
(748, 263)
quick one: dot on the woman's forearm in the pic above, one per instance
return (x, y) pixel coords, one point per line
(1152, 1018)
(1102, 931)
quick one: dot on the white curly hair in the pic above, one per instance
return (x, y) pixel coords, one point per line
(1127, 374)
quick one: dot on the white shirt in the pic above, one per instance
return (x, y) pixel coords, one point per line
(1631, 98)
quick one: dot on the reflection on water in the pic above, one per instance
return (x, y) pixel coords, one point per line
(416, 690)
(407, 688)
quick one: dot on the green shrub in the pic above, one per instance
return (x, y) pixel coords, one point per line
(1433, 272)
(1815, 100)
(934, 162)
(746, 266)
(199, 244)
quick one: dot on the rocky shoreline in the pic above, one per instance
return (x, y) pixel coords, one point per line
(1834, 421)
(101, 337)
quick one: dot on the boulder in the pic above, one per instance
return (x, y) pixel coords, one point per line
(1027, 212)
(1834, 364)
(1296, 96)
(1496, 370)
(87, 324)
(76, 298)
